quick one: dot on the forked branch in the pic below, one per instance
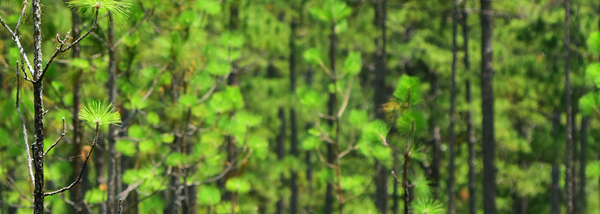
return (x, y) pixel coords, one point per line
(29, 158)
(62, 134)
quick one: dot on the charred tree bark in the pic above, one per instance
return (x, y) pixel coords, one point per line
(379, 98)
(487, 109)
(78, 191)
(470, 124)
(451, 134)
(585, 123)
(569, 190)
(332, 111)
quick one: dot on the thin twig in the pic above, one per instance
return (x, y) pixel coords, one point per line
(82, 167)
(29, 159)
(323, 159)
(62, 43)
(12, 182)
(164, 68)
(62, 134)
(134, 28)
(346, 98)
(24, 6)
(16, 38)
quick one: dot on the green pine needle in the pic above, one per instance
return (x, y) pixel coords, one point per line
(427, 206)
(116, 8)
(99, 112)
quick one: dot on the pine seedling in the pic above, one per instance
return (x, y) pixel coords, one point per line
(428, 206)
(99, 112)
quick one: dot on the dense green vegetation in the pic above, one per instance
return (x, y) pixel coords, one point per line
(299, 106)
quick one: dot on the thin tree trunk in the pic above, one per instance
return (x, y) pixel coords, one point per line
(451, 134)
(585, 122)
(78, 191)
(569, 144)
(113, 167)
(281, 155)
(38, 145)
(331, 110)
(380, 97)
(487, 109)
(470, 124)
(293, 120)
(555, 194)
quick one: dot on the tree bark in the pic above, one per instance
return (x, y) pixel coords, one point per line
(293, 120)
(585, 123)
(38, 145)
(451, 134)
(379, 98)
(487, 109)
(114, 184)
(470, 124)
(331, 110)
(280, 155)
(78, 191)
(569, 190)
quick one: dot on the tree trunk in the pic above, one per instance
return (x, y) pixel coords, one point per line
(78, 191)
(114, 184)
(38, 145)
(281, 155)
(487, 109)
(293, 120)
(380, 98)
(585, 122)
(470, 124)
(569, 144)
(555, 194)
(451, 134)
(331, 110)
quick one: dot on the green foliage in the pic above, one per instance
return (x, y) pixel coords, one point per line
(592, 73)
(593, 43)
(408, 89)
(313, 56)
(589, 103)
(238, 184)
(99, 112)
(332, 11)
(353, 63)
(406, 120)
(117, 8)
(209, 195)
(427, 206)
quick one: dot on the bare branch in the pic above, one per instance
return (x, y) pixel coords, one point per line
(346, 98)
(164, 68)
(323, 159)
(16, 38)
(24, 6)
(29, 159)
(62, 43)
(82, 167)
(62, 134)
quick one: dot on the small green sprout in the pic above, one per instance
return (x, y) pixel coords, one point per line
(99, 112)
(116, 8)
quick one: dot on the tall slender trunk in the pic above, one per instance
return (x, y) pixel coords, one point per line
(555, 191)
(331, 110)
(78, 191)
(281, 155)
(293, 120)
(585, 122)
(379, 98)
(487, 109)
(470, 124)
(569, 144)
(114, 184)
(38, 145)
(451, 134)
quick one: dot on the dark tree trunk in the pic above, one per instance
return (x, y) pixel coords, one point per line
(114, 184)
(293, 120)
(487, 109)
(78, 191)
(555, 194)
(451, 134)
(470, 124)
(379, 98)
(38, 145)
(569, 190)
(585, 123)
(331, 111)
(281, 155)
